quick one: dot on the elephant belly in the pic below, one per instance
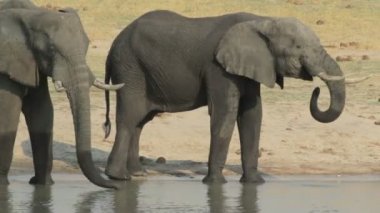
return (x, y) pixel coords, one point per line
(177, 92)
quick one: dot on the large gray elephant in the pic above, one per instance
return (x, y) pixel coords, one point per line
(170, 63)
(36, 43)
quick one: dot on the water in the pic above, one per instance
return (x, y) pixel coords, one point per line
(72, 193)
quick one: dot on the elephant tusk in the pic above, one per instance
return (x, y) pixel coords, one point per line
(59, 86)
(99, 84)
(325, 77)
(357, 80)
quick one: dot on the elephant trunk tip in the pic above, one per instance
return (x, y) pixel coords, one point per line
(328, 116)
(92, 173)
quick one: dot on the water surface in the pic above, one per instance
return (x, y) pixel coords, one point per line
(72, 193)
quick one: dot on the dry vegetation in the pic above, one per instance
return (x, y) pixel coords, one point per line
(291, 141)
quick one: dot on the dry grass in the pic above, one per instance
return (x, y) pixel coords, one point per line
(348, 28)
(343, 20)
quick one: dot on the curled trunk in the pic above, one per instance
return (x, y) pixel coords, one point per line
(337, 102)
(336, 89)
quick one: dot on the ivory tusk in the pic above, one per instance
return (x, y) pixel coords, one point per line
(99, 84)
(325, 77)
(356, 80)
(59, 86)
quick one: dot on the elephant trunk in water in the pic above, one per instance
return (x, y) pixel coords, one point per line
(77, 90)
(332, 75)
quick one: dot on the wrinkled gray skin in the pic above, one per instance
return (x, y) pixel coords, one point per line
(170, 63)
(34, 44)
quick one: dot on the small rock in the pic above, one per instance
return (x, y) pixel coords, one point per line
(344, 58)
(295, 2)
(320, 22)
(349, 6)
(283, 141)
(353, 44)
(330, 46)
(378, 100)
(328, 151)
(142, 159)
(377, 122)
(342, 44)
(289, 129)
(85, 8)
(94, 46)
(161, 160)
(365, 57)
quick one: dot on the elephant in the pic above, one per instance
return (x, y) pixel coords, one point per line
(35, 44)
(171, 63)
(14, 4)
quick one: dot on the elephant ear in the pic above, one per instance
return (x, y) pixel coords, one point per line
(244, 51)
(16, 59)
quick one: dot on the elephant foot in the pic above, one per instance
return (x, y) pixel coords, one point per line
(255, 178)
(41, 181)
(118, 175)
(211, 179)
(4, 180)
(137, 171)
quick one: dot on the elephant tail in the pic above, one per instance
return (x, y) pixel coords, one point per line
(107, 123)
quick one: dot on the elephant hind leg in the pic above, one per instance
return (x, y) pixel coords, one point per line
(10, 108)
(38, 112)
(132, 113)
(133, 163)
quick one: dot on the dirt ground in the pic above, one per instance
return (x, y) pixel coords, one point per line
(291, 141)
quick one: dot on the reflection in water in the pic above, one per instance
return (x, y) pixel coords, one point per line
(248, 198)
(216, 198)
(219, 202)
(124, 200)
(41, 200)
(5, 199)
(75, 194)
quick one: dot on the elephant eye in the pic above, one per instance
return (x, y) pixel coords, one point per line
(298, 46)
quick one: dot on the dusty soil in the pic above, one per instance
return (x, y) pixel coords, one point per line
(291, 142)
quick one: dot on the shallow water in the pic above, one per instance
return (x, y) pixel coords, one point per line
(72, 193)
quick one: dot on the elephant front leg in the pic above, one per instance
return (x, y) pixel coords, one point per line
(249, 125)
(38, 111)
(10, 108)
(223, 118)
(6, 153)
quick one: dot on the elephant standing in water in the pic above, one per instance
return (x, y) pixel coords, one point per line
(171, 63)
(36, 43)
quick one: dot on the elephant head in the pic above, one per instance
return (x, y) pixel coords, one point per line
(268, 49)
(37, 43)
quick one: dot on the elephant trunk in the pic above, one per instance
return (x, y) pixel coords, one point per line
(78, 94)
(331, 74)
